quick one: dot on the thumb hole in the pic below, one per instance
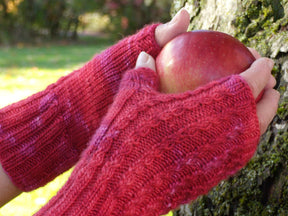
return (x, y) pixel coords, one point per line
(143, 75)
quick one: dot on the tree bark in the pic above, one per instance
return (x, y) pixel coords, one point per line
(261, 188)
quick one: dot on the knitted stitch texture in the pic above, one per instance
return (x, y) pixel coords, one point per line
(154, 151)
(44, 135)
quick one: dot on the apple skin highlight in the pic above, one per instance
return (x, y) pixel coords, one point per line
(195, 58)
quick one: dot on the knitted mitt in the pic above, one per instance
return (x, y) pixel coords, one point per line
(43, 135)
(154, 151)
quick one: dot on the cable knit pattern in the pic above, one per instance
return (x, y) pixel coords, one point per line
(43, 135)
(154, 151)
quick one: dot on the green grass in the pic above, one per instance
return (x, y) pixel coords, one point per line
(26, 70)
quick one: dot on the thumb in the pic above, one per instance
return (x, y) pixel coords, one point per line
(145, 60)
(144, 75)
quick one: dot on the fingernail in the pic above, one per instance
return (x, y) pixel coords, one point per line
(175, 18)
(145, 60)
(143, 57)
(142, 60)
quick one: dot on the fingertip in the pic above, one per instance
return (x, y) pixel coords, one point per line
(271, 83)
(182, 14)
(178, 24)
(265, 62)
(267, 108)
(270, 62)
(254, 53)
(258, 75)
(145, 60)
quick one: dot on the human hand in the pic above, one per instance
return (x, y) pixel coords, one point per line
(178, 25)
(258, 77)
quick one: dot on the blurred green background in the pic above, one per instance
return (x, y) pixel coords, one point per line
(35, 20)
(42, 40)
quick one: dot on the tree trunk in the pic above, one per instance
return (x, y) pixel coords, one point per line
(261, 188)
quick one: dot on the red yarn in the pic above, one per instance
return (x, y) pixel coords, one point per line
(44, 135)
(153, 151)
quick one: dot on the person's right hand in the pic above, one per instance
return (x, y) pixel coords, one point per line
(258, 77)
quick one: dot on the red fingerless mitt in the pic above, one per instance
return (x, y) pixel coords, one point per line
(43, 135)
(153, 151)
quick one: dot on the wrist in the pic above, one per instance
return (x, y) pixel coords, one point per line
(8, 190)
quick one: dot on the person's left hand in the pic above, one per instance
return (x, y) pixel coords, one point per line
(178, 25)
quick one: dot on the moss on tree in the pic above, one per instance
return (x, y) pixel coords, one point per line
(261, 188)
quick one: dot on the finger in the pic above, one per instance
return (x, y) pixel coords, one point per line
(178, 25)
(258, 75)
(271, 83)
(272, 80)
(254, 53)
(267, 108)
(143, 76)
(145, 60)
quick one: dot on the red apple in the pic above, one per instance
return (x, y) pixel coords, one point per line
(195, 58)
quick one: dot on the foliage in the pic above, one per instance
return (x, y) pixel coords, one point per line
(52, 15)
(7, 18)
(24, 19)
(129, 15)
(260, 21)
